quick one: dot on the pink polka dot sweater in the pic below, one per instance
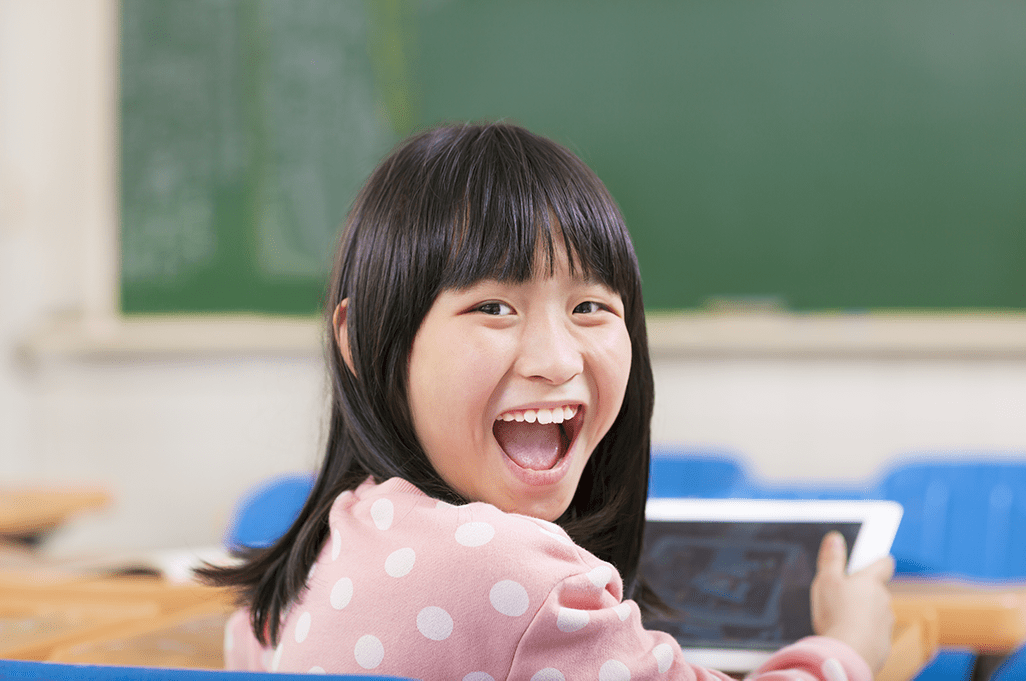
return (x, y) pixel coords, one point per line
(410, 586)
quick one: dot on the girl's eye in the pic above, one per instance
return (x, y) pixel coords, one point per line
(587, 307)
(495, 308)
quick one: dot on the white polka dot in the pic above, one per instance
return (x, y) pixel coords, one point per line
(509, 598)
(341, 593)
(229, 640)
(435, 623)
(317, 670)
(369, 652)
(601, 575)
(303, 627)
(548, 674)
(336, 544)
(614, 670)
(570, 619)
(833, 671)
(664, 656)
(399, 563)
(478, 676)
(623, 611)
(474, 534)
(276, 660)
(382, 511)
(310, 575)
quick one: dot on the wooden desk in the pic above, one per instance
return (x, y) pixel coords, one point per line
(142, 621)
(988, 619)
(29, 512)
(192, 638)
(985, 618)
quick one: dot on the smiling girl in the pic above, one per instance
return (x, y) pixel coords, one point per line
(480, 507)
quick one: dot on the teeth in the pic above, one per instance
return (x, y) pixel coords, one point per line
(557, 415)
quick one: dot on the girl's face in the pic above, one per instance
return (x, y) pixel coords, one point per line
(513, 385)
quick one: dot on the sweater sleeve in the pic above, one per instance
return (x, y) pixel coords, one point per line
(583, 630)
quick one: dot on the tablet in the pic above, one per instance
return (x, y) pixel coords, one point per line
(736, 572)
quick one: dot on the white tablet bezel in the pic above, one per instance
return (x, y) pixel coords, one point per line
(878, 521)
(879, 518)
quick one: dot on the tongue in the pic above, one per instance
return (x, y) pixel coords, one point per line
(531, 445)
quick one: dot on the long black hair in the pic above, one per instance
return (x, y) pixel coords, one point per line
(448, 208)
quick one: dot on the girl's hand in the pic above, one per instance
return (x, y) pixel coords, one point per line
(853, 608)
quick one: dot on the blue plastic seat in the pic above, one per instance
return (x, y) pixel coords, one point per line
(267, 511)
(696, 473)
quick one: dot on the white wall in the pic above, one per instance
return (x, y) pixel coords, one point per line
(177, 435)
(841, 419)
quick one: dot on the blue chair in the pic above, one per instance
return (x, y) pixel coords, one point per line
(696, 473)
(21, 670)
(963, 517)
(823, 491)
(718, 474)
(267, 511)
(1013, 668)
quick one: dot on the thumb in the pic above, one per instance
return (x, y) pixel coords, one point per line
(833, 554)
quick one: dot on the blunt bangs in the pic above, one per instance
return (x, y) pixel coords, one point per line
(496, 202)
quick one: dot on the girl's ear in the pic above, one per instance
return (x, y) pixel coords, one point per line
(338, 323)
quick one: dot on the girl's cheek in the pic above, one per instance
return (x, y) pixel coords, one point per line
(613, 361)
(618, 349)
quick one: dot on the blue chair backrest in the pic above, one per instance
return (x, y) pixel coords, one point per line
(695, 473)
(267, 511)
(963, 517)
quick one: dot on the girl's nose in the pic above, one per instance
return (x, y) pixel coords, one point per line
(549, 352)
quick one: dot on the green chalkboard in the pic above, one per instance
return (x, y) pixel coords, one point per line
(821, 155)
(247, 126)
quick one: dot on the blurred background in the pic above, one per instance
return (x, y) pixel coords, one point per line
(828, 202)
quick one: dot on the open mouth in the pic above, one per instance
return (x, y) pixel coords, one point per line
(538, 439)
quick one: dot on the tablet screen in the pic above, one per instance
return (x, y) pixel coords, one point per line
(742, 585)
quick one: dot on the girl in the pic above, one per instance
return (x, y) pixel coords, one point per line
(479, 510)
